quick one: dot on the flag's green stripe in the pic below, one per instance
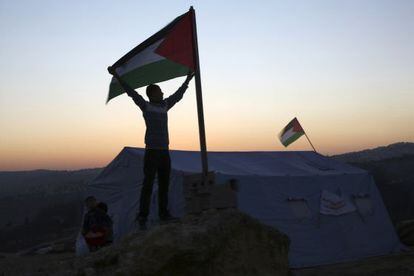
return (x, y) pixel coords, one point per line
(292, 138)
(150, 73)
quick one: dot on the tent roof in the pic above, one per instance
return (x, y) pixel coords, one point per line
(264, 163)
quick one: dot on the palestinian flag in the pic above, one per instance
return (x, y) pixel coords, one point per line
(165, 55)
(291, 132)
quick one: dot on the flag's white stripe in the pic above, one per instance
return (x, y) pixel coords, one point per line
(147, 56)
(287, 135)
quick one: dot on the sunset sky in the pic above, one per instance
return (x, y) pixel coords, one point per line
(345, 69)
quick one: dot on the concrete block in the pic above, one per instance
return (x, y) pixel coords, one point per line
(200, 196)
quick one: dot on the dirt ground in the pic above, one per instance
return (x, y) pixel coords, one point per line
(34, 264)
(399, 265)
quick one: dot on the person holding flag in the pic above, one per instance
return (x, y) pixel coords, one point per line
(169, 53)
(156, 158)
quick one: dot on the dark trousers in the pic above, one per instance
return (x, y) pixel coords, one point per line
(156, 161)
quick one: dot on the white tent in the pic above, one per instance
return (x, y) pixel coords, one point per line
(332, 212)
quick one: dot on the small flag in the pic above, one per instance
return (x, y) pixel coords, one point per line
(165, 55)
(291, 132)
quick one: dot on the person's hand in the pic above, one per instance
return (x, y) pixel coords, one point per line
(111, 70)
(190, 75)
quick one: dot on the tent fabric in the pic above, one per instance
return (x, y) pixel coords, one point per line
(269, 185)
(333, 204)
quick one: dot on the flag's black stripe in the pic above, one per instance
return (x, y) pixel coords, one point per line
(289, 125)
(157, 36)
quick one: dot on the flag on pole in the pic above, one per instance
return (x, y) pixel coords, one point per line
(165, 55)
(291, 132)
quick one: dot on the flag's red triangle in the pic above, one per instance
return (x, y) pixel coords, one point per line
(178, 44)
(296, 126)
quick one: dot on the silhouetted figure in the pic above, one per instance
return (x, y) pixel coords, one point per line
(96, 225)
(157, 157)
(108, 221)
(103, 206)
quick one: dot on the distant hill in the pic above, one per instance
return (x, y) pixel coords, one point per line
(44, 181)
(392, 167)
(41, 205)
(395, 180)
(391, 151)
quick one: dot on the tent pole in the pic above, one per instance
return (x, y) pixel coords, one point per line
(199, 97)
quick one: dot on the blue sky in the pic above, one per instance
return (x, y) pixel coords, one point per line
(344, 68)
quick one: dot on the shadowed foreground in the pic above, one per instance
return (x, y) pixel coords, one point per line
(396, 265)
(218, 243)
(224, 242)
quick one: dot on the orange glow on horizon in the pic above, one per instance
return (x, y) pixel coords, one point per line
(72, 154)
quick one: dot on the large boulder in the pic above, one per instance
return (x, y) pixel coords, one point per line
(225, 242)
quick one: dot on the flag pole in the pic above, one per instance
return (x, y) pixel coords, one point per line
(310, 141)
(199, 97)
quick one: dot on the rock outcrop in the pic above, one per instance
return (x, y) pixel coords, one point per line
(225, 242)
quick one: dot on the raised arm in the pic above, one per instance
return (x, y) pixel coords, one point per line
(178, 95)
(138, 99)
